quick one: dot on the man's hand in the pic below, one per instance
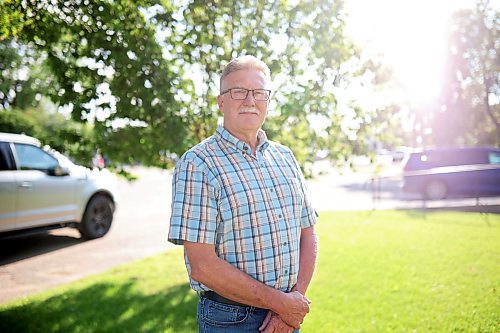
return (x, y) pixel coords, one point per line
(274, 324)
(295, 310)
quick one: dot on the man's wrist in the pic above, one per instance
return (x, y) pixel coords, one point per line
(299, 288)
(277, 301)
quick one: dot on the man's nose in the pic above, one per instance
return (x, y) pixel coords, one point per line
(250, 99)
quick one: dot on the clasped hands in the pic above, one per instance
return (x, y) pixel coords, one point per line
(296, 307)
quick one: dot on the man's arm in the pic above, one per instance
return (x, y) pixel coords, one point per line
(308, 256)
(234, 284)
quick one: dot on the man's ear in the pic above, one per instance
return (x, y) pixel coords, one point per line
(220, 103)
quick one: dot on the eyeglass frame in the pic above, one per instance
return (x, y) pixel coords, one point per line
(248, 90)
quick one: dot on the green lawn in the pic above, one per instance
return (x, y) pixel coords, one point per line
(378, 272)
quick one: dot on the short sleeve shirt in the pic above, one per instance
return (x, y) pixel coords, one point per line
(251, 207)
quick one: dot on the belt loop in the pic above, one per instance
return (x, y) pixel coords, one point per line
(251, 310)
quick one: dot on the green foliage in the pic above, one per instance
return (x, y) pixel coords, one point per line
(471, 83)
(17, 122)
(71, 138)
(12, 21)
(382, 271)
(24, 77)
(107, 67)
(304, 45)
(75, 139)
(146, 73)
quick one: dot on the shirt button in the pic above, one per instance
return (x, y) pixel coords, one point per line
(272, 190)
(286, 271)
(284, 243)
(280, 216)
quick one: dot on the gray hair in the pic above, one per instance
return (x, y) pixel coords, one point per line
(245, 62)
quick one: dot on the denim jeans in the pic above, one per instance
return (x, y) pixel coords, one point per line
(215, 317)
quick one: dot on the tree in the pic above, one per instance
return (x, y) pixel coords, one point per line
(145, 73)
(108, 68)
(24, 77)
(304, 45)
(472, 81)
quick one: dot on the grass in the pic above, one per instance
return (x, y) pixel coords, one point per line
(407, 272)
(377, 272)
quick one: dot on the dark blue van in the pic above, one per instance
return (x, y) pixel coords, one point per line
(441, 172)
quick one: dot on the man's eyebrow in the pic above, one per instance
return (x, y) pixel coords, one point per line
(238, 87)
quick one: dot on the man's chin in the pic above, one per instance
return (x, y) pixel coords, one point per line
(251, 127)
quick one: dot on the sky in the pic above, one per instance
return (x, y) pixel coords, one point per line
(411, 36)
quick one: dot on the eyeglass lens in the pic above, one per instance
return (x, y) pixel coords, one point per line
(258, 94)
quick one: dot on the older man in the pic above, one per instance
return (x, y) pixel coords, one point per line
(241, 210)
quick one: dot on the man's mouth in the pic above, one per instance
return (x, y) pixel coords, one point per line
(249, 110)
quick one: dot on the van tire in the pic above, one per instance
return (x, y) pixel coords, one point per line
(97, 218)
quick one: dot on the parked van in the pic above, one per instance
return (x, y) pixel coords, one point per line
(438, 173)
(41, 189)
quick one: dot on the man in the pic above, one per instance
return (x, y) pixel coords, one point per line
(241, 211)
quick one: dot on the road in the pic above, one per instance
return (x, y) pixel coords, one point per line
(32, 264)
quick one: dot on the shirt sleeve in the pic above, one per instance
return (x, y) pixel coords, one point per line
(309, 215)
(194, 206)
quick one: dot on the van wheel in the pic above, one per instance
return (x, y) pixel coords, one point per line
(97, 217)
(435, 190)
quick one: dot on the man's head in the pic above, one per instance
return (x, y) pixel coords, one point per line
(244, 112)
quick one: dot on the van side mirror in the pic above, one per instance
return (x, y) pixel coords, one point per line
(58, 171)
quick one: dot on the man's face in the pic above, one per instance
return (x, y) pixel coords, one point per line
(243, 116)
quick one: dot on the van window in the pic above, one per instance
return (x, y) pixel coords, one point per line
(6, 159)
(33, 158)
(494, 158)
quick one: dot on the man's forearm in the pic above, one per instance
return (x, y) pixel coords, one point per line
(308, 256)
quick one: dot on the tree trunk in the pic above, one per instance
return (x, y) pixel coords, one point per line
(489, 111)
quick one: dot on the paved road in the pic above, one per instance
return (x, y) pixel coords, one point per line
(32, 264)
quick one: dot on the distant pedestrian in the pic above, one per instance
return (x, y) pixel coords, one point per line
(98, 161)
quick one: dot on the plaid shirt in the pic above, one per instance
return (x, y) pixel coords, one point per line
(252, 208)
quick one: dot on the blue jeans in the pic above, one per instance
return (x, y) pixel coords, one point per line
(215, 317)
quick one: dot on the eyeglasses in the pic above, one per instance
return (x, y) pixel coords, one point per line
(242, 93)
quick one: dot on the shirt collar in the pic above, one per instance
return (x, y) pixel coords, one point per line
(233, 141)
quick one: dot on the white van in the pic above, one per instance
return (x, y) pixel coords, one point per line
(41, 189)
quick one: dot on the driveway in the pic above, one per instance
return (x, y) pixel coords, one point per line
(32, 264)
